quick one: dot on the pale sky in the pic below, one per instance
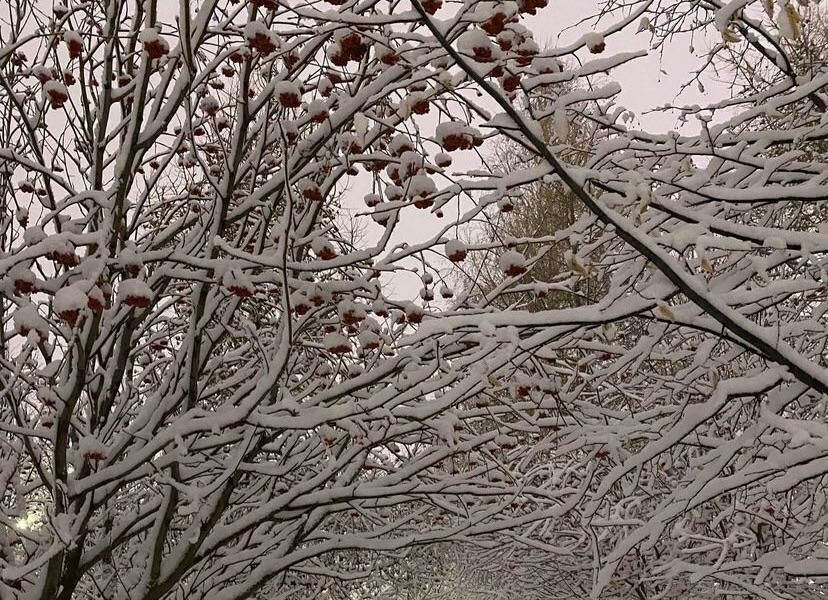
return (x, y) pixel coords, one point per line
(644, 84)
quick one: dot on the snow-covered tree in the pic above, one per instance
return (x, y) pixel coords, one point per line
(211, 389)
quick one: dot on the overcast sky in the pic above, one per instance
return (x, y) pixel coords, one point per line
(647, 82)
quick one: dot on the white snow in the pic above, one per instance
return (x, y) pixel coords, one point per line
(42, 72)
(209, 105)
(455, 250)
(337, 343)
(132, 291)
(476, 44)
(252, 29)
(512, 262)
(238, 282)
(27, 320)
(70, 298)
(149, 35)
(73, 37)
(421, 186)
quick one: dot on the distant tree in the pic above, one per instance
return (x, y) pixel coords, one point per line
(545, 210)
